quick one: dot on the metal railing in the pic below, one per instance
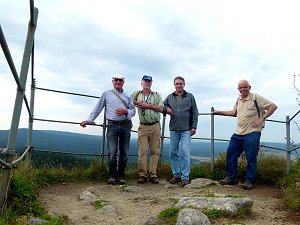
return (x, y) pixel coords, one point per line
(21, 84)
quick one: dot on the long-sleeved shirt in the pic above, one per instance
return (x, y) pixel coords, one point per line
(111, 102)
(185, 112)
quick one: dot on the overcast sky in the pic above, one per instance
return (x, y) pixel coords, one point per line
(212, 44)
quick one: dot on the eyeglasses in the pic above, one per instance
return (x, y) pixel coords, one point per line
(116, 80)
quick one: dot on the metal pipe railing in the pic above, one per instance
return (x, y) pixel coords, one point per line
(20, 96)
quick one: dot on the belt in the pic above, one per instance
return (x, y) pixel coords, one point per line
(118, 122)
(150, 123)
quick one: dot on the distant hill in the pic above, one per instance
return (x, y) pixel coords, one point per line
(84, 143)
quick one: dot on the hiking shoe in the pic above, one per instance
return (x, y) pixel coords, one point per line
(111, 180)
(121, 180)
(154, 180)
(175, 180)
(184, 182)
(228, 181)
(247, 185)
(142, 180)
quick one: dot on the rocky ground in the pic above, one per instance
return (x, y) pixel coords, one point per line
(133, 208)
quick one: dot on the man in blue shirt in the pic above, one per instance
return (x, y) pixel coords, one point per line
(119, 109)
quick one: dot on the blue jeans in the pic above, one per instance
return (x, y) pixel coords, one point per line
(239, 143)
(180, 145)
(118, 138)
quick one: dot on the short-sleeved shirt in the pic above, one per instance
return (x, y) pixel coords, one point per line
(148, 115)
(247, 113)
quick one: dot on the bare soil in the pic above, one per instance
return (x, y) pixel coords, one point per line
(133, 208)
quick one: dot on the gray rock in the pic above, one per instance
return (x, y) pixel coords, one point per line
(133, 189)
(229, 205)
(87, 196)
(151, 220)
(201, 182)
(108, 210)
(35, 220)
(192, 217)
(91, 189)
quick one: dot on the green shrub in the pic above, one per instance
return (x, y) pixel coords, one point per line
(24, 189)
(96, 172)
(291, 187)
(165, 170)
(132, 170)
(271, 168)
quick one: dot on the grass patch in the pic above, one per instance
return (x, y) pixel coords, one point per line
(213, 214)
(169, 215)
(100, 204)
(291, 187)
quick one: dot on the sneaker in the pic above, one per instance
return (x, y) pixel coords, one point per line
(175, 180)
(121, 180)
(111, 180)
(154, 180)
(247, 185)
(142, 180)
(184, 182)
(228, 181)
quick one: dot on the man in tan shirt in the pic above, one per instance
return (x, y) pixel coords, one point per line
(251, 111)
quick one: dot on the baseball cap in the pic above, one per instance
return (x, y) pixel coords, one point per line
(118, 76)
(145, 77)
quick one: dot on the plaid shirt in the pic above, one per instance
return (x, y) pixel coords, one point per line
(148, 115)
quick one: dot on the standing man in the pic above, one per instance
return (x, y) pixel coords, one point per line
(251, 111)
(183, 125)
(119, 109)
(149, 105)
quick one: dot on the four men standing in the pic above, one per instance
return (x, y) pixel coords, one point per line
(251, 111)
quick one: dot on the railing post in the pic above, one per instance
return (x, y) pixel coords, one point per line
(30, 123)
(288, 144)
(103, 141)
(162, 138)
(212, 141)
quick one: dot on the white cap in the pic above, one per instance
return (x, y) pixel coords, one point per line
(118, 76)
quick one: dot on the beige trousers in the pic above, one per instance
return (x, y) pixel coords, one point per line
(148, 137)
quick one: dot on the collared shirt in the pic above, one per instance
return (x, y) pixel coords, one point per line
(148, 115)
(247, 113)
(112, 102)
(185, 113)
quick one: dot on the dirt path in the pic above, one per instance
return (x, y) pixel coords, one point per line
(134, 207)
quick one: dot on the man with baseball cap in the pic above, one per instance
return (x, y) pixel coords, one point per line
(149, 105)
(119, 109)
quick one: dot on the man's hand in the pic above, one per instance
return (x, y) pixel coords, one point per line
(170, 112)
(121, 111)
(258, 122)
(143, 105)
(193, 131)
(84, 123)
